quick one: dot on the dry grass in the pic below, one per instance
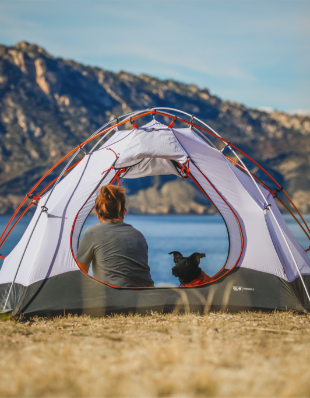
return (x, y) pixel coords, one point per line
(218, 354)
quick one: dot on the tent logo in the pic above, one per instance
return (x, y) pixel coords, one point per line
(241, 288)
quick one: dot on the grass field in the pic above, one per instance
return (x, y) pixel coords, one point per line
(218, 355)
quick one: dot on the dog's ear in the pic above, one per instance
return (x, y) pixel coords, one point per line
(197, 257)
(176, 256)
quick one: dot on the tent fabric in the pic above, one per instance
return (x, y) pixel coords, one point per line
(152, 142)
(255, 241)
(299, 253)
(76, 293)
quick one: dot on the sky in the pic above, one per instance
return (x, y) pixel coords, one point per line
(255, 52)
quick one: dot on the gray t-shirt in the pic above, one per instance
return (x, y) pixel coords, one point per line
(119, 254)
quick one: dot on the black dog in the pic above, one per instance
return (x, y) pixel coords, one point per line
(187, 269)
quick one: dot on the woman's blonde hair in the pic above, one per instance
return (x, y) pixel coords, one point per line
(111, 203)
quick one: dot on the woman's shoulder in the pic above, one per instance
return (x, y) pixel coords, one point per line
(132, 229)
(94, 228)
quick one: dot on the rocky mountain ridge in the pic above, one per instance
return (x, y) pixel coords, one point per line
(49, 105)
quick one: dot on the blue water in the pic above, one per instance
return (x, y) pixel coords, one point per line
(186, 234)
(165, 233)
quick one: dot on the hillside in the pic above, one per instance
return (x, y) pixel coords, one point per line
(49, 105)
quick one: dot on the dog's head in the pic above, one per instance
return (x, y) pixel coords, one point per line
(186, 268)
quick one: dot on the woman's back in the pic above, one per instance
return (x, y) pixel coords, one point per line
(119, 254)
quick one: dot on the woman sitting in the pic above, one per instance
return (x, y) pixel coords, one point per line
(118, 252)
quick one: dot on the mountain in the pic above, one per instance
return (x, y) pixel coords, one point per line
(49, 105)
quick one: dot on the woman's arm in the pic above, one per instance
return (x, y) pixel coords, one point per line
(84, 254)
(84, 267)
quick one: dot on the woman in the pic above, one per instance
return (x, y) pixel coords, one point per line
(118, 252)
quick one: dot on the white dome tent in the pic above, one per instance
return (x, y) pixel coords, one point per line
(266, 268)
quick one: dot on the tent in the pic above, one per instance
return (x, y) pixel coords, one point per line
(266, 268)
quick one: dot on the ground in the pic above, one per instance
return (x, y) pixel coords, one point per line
(216, 354)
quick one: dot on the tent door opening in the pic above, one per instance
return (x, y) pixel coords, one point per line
(206, 233)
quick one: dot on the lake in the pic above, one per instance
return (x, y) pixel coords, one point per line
(165, 233)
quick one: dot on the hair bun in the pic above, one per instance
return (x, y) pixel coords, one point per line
(110, 203)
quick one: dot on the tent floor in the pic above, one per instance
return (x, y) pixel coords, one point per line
(76, 293)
